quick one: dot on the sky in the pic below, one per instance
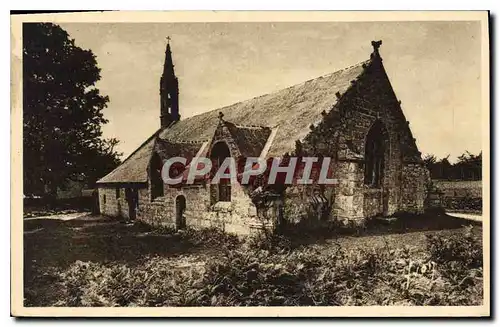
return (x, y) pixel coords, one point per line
(434, 68)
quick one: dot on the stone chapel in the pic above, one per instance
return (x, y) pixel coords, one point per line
(351, 115)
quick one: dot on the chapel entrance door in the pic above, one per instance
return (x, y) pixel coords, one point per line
(180, 208)
(385, 202)
(132, 197)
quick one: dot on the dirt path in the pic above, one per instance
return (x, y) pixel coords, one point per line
(64, 217)
(468, 216)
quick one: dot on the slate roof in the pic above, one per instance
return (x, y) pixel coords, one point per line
(168, 149)
(249, 139)
(134, 168)
(291, 111)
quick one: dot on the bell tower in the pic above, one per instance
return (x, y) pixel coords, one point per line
(169, 91)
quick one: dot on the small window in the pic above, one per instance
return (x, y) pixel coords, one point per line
(222, 191)
(104, 199)
(117, 193)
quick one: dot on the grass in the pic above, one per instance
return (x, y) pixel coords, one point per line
(93, 261)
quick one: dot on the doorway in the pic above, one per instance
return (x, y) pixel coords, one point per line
(385, 202)
(132, 197)
(180, 208)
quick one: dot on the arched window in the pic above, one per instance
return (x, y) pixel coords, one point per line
(221, 191)
(155, 176)
(375, 153)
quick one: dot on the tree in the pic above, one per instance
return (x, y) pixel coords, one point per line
(445, 168)
(62, 112)
(430, 161)
(469, 166)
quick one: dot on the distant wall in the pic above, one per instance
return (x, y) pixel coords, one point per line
(473, 189)
(460, 195)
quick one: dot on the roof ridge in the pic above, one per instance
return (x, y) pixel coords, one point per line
(283, 89)
(184, 141)
(251, 126)
(330, 74)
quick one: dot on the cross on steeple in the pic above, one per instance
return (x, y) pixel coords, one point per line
(376, 45)
(168, 39)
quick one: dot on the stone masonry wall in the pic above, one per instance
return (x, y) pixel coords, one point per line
(309, 205)
(111, 206)
(236, 216)
(414, 188)
(349, 198)
(162, 211)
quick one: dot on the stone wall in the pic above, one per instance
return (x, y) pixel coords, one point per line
(349, 195)
(309, 204)
(162, 211)
(373, 202)
(414, 188)
(236, 216)
(473, 189)
(110, 205)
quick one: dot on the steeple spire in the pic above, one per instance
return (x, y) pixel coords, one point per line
(168, 66)
(169, 90)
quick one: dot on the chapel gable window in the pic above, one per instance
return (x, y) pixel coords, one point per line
(375, 153)
(221, 191)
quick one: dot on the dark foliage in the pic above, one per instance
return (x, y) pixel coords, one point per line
(467, 204)
(468, 167)
(464, 249)
(62, 112)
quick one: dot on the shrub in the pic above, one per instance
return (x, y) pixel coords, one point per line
(464, 249)
(270, 271)
(460, 257)
(463, 203)
(271, 242)
(213, 237)
(161, 282)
